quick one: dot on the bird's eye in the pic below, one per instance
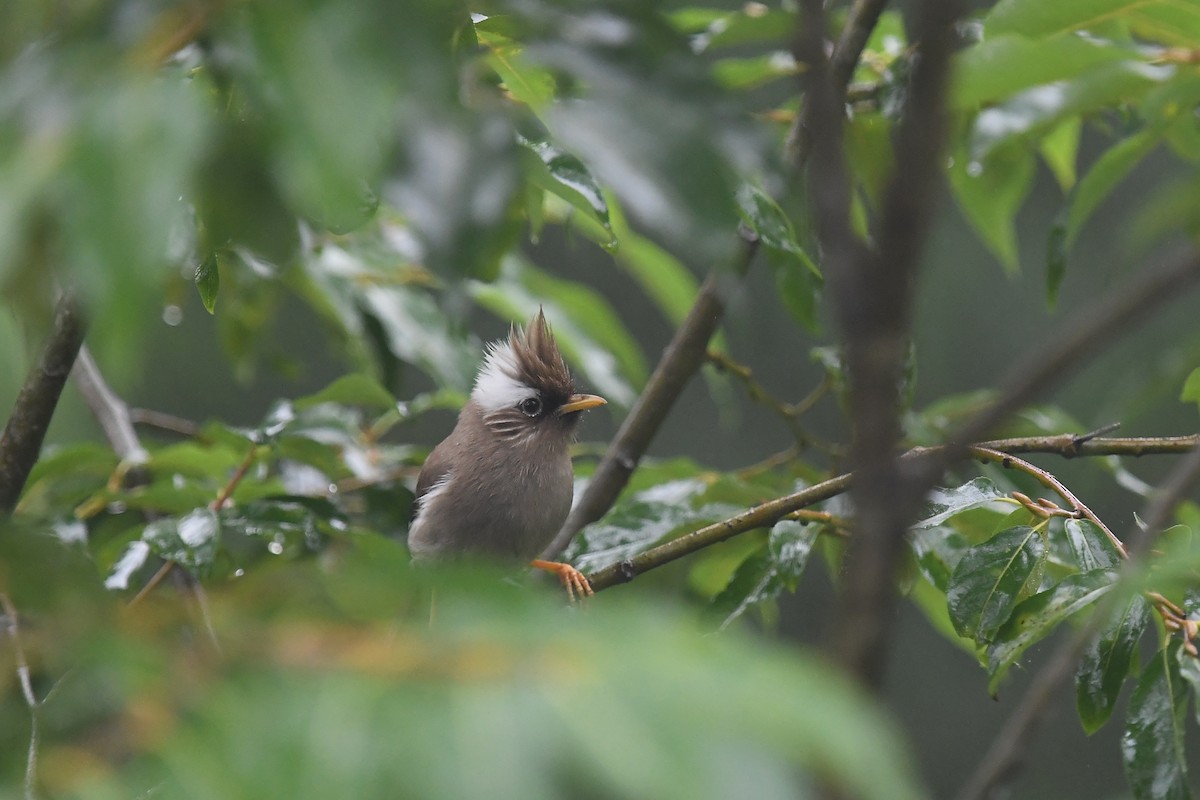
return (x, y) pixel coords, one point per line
(530, 406)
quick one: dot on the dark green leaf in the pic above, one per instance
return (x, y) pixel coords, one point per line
(1091, 548)
(1152, 743)
(991, 579)
(1105, 664)
(1039, 616)
(767, 574)
(1189, 670)
(565, 176)
(938, 550)
(208, 281)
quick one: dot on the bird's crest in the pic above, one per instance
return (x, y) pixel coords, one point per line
(528, 362)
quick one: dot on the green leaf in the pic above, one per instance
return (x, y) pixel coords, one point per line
(1152, 743)
(1037, 617)
(752, 71)
(942, 503)
(1033, 112)
(990, 191)
(1059, 148)
(357, 389)
(1105, 664)
(1091, 548)
(1189, 670)
(1191, 387)
(991, 579)
(1037, 19)
(526, 82)
(663, 278)
(767, 574)
(208, 281)
(1108, 170)
(1000, 66)
(190, 541)
(565, 176)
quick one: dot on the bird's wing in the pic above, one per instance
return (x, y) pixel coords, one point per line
(435, 470)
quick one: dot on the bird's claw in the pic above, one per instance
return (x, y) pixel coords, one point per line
(575, 582)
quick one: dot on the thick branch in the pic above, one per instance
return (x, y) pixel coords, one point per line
(21, 442)
(872, 290)
(1008, 749)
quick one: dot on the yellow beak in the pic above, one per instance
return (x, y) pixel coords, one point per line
(580, 402)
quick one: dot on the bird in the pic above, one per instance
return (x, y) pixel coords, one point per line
(501, 484)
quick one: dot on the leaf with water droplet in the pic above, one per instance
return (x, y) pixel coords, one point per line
(1104, 665)
(208, 281)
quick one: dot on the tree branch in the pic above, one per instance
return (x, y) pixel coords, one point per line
(110, 411)
(21, 442)
(1004, 756)
(762, 516)
(872, 292)
(767, 514)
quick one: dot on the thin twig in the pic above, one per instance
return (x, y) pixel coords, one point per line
(164, 421)
(1008, 460)
(23, 677)
(1004, 756)
(21, 442)
(789, 413)
(110, 411)
(760, 516)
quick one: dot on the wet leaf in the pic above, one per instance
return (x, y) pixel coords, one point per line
(991, 578)
(765, 575)
(942, 503)
(190, 541)
(1091, 548)
(1105, 664)
(208, 282)
(565, 176)
(1040, 615)
(1152, 743)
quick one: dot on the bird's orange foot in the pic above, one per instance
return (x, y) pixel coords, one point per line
(574, 581)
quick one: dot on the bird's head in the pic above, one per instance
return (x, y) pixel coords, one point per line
(524, 389)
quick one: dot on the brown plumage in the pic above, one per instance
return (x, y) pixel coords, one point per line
(500, 484)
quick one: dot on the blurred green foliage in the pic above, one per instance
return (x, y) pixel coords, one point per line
(383, 163)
